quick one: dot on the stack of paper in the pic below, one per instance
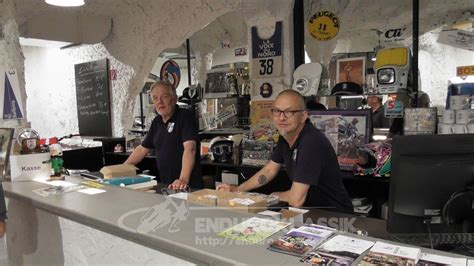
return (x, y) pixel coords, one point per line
(299, 241)
(383, 253)
(339, 250)
(254, 230)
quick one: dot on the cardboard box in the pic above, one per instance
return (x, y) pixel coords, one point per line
(236, 201)
(291, 215)
(118, 170)
(206, 196)
(243, 203)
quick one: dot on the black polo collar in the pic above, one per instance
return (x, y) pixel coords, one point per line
(305, 128)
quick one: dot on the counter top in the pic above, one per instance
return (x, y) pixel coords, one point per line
(172, 226)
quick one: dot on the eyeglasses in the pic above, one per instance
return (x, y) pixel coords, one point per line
(286, 113)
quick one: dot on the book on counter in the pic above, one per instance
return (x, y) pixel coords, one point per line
(254, 229)
(301, 240)
(339, 250)
(432, 259)
(385, 253)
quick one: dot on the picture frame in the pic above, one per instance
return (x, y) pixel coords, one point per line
(351, 70)
(346, 130)
(6, 139)
(218, 83)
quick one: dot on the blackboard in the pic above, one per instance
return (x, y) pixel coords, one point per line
(93, 98)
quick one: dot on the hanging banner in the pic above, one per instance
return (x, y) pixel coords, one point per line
(323, 26)
(12, 108)
(267, 59)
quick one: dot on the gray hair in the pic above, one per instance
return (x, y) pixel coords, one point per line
(165, 84)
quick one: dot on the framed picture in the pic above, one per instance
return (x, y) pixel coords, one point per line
(218, 83)
(351, 69)
(347, 130)
(6, 137)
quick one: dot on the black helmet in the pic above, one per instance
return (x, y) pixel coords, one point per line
(221, 149)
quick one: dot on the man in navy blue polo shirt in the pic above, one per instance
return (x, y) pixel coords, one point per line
(174, 137)
(309, 160)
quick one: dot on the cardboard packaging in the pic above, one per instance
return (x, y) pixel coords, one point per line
(243, 203)
(118, 170)
(205, 197)
(236, 201)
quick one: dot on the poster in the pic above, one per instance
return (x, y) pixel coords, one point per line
(346, 130)
(261, 121)
(218, 83)
(10, 92)
(267, 59)
(351, 70)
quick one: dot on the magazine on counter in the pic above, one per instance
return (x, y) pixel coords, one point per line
(254, 229)
(385, 253)
(432, 259)
(339, 250)
(299, 241)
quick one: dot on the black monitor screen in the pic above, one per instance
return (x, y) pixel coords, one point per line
(426, 171)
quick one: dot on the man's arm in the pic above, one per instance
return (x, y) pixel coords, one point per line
(137, 155)
(296, 196)
(187, 165)
(262, 177)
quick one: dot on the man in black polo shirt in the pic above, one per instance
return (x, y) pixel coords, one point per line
(309, 160)
(174, 137)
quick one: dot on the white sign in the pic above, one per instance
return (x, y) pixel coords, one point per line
(267, 54)
(457, 38)
(30, 166)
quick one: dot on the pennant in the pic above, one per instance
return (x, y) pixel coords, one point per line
(11, 109)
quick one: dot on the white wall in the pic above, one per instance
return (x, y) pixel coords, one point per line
(437, 64)
(50, 85)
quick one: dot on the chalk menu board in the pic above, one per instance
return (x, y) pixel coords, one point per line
(93, 99)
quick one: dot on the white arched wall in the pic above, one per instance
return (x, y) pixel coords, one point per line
(137, 38)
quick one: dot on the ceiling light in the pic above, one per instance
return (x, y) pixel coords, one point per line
(65, 2)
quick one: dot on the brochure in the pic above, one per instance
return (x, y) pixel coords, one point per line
(339, 250)
(432, 259)
(254, 229)
(384, 253)
(299, 241)
(470, 263)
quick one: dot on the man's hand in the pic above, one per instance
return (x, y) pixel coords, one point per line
(3, 228)
(178, 184)
(227, 188)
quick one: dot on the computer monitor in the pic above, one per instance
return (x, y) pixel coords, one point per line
(426, 171)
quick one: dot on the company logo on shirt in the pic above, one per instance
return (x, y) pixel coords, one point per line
(170, 127)
(295, 154)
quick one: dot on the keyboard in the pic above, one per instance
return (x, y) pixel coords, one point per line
(423, 240)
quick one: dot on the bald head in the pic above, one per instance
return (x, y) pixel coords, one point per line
(294, 97)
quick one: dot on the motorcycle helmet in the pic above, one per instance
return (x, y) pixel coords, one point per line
(221, 149)
(374, 159)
